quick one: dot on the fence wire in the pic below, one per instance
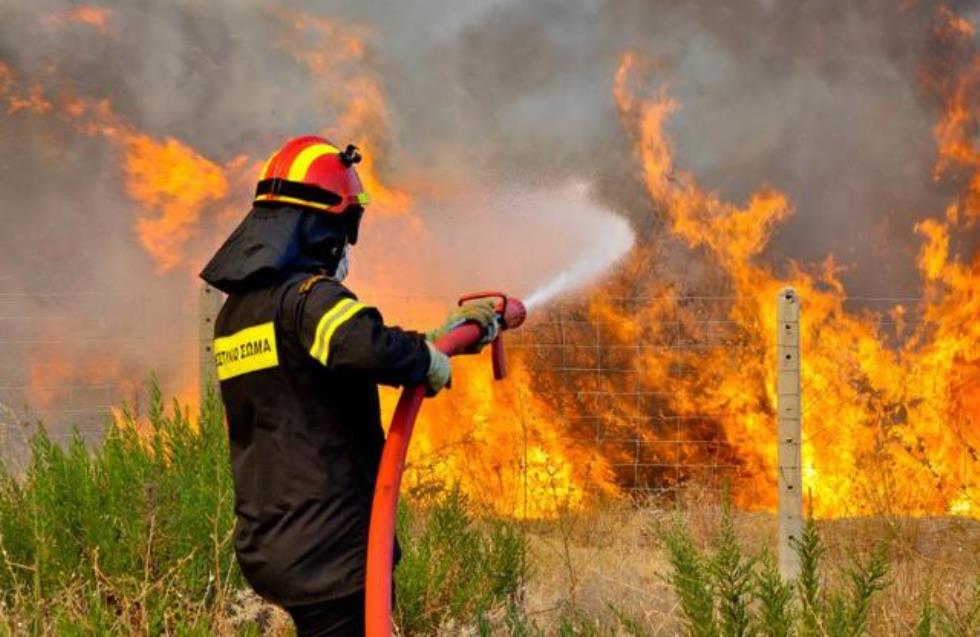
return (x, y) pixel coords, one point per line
(65, 360)
(595, 381)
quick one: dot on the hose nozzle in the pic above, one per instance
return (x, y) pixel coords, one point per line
(511, 313)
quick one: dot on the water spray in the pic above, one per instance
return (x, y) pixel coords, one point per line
(589, 266)
(381, 536)
(564, 281)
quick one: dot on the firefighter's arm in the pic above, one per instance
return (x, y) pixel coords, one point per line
(347, 336)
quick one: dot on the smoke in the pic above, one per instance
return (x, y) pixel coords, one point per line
(822, 101)
(487, 106)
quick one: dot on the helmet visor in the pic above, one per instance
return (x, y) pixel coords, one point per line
(352, 221)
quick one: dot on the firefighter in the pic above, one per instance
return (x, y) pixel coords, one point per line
(299, 359)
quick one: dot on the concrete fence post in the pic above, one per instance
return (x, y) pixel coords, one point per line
(790, 477)
(208, 303)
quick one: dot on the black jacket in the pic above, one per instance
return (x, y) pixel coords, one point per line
(299, 362)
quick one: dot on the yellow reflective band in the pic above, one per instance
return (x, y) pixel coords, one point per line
(248, 350)
(297, 171)
(329, 322)
(363, 199)
(301, 202)
(324, 323)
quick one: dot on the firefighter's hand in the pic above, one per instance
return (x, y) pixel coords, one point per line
(440, 371)
(481, 312)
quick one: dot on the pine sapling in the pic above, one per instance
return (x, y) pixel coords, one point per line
(691, 581)
(866, 580)
(774, 598)
(810, 549)
(731, 575)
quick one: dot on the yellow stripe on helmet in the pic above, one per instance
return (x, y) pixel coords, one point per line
(300, 165)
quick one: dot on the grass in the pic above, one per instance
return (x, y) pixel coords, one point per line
(133, 537)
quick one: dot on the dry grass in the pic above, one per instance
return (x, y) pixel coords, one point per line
(587, 561)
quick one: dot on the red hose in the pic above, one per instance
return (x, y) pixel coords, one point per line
(381, 536)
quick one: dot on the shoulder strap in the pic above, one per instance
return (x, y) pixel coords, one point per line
(309, 282)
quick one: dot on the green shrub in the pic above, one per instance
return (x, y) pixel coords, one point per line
(691, 580)
(776, 614)
(724, 592)
(134, 536)
(131, 536)
(454, 567)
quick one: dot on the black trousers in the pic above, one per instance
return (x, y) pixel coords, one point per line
(343, 617)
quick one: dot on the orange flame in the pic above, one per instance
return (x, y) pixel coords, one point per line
(173, 178)
(885, 429)
(501, 444)
(89, 15)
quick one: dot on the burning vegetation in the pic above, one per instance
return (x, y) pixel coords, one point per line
(892, 396)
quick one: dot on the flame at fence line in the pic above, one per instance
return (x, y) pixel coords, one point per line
(885, 430)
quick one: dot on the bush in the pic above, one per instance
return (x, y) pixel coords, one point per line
(454, 568)
(133, 536)
(722, 591)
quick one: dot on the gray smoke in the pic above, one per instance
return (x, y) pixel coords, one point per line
(820, 100)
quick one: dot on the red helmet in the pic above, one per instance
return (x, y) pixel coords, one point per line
(309, 171)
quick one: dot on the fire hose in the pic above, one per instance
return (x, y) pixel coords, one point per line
(381, 535)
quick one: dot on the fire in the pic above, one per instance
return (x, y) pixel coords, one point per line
(949, 25)
(499, 442)
(172, 183)
(887, 429)
(32, 100)
(88, 15)
(734, 234)
(172, 178)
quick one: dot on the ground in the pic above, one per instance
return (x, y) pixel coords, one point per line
(590, 561)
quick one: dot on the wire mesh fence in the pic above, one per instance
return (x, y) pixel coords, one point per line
(595, 379)
(66, 359)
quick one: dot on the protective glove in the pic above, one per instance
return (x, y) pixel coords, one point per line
(440, 371)
(481, 312)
